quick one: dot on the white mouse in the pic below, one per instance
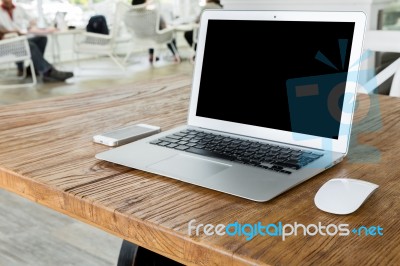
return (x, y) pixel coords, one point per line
(343, 195)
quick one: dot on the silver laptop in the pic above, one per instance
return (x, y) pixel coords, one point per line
(271, 106)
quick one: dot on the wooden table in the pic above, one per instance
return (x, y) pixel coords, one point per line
(47, 156)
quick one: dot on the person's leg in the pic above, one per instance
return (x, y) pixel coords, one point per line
(37, 46)
(43, 67)
(40, 64)
(189, 37)
(151, 55)
(41, 42)
(174, 50)
(172, 47)
(20, 67)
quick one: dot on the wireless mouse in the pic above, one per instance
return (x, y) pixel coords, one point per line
(343, 195)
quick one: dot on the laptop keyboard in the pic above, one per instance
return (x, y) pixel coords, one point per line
(268, 156)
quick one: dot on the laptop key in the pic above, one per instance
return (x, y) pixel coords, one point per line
(173, 137)
(190, 144)
(199, 146)
(164, 143)
(172, 145)
(182, 147)
(210, 154)
(179, 134)
(289, 165)
(169, 140)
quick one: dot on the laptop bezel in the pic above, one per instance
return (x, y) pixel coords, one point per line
(342, 143)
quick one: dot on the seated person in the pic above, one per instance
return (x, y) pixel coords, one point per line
(12, 20)
(210, 4)
(171, 46)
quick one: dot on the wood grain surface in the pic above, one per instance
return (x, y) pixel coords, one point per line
(47, 155)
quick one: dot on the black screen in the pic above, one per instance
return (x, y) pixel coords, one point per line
(283, 75)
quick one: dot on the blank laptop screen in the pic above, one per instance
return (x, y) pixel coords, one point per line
(285, 75)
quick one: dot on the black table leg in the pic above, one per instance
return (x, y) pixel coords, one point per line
(134, 255)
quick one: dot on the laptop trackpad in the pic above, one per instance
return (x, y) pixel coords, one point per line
(183, 166)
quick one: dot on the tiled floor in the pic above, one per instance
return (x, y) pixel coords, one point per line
(31, 234)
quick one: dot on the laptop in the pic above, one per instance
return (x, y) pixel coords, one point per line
(272, 102)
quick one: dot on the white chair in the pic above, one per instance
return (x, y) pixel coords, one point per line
(101, 44)
(12, 50)
(144, 26)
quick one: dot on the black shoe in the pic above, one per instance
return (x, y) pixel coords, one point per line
(20, 72)
(55, 75)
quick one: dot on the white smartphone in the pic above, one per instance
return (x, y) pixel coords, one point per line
(125, 135)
